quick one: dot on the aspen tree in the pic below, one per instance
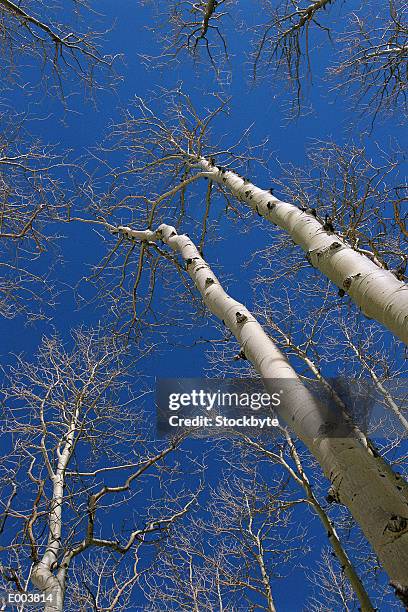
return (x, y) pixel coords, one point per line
(76, 449)
(181, 145)
(376, 497)
(298, 474)
(234, 554)
(377, 292)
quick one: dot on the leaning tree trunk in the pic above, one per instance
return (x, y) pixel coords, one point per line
(376, 496)
(377, 292)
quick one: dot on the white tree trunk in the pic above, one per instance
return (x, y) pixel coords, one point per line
(50, 586)
(377, 292)
(43, 576)
(375, 495)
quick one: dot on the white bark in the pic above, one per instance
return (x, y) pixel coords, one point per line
(376, 497)
(377, 292)
(42, 575)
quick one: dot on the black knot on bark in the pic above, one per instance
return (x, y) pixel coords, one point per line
(335, 245)
(209, 281)
(309, 211)
(401, 591)
(328, 428)
(328, 225)
(332, 496)
(347, 281)
(397, 524)
(241, 318)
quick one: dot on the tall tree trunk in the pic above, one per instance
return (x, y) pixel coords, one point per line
(377, 292)
(50, 582)
(43, 577)
(362, 481)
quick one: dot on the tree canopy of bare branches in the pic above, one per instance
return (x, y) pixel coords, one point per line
(33, 31)
(77, 450)
(110, 213)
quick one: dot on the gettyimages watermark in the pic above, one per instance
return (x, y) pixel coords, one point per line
(209, 401)
(215, 405)
(209, 407)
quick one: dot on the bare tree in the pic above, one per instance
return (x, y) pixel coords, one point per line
(373, 53)
(34, 177)
(33, 194)
(283, 42)
(72, 420)
(250, 536)
(289, 458)
(77, 451)
(178, 149)
(369, 54)
(232, 555)
(33, 31)
(188, 27)
(342, 453)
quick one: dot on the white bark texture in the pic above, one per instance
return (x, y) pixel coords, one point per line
(43, 576)
(375, 495)
(376, 291)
